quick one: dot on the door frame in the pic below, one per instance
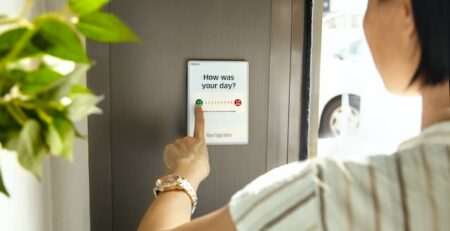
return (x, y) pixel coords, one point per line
(294, 78)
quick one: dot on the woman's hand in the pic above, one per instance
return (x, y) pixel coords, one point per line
(188, 156)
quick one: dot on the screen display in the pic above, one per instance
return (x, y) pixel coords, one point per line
(221, 88)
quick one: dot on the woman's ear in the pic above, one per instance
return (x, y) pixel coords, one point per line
(407, 15)
(410, 38)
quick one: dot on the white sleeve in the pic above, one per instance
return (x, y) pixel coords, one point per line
(282, 199)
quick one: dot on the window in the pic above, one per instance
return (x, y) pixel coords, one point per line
(357, 116)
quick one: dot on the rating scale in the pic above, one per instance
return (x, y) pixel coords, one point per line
(236, 102)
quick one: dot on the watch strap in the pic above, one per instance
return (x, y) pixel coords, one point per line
(182, 184)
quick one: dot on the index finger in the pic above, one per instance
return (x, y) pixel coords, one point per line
(199, 129)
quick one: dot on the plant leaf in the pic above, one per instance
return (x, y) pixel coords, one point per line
(63, 86)
(5, 83)
(104, 27)
(9, 38)
(44, 116)
(82, 7)
(5, 119)
(17, 113)
(60, 137)
(43, 75)
(36, 81)
(29, 146)
(2, 186)
(79, 89)
(54, 141)
(83, 105)
(60, 40)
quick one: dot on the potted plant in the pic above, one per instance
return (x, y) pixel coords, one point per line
(41, 62)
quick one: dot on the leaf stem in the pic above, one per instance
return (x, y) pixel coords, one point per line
(19, 117)
(18, 47)
(35, 26)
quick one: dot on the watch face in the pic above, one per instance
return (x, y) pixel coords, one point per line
(167, 181)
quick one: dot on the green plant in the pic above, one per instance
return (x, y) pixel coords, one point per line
(39, 100)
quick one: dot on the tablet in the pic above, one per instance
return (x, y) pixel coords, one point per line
(222, 89)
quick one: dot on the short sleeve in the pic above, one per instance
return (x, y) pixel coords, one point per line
(282, 199)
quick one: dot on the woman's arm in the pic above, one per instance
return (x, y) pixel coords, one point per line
(219, 220)
(187, 157)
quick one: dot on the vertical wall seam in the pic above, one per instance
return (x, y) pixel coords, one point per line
(280, 42)
(288, 140)
(110, 140)
(111, 199)
(268, 85)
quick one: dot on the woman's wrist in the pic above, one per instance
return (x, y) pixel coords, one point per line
(189, 176)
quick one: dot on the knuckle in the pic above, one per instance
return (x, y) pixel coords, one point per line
(188, 138)
(199, 142)
(169, 146)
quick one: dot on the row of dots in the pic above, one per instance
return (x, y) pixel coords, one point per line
(219, 102)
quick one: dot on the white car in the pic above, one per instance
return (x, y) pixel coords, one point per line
(347, 75)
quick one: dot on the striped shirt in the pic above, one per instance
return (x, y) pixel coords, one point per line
(409, 190)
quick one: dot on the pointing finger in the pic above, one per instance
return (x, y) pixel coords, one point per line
(199, 130)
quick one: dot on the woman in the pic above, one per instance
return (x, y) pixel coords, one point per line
(409, 190)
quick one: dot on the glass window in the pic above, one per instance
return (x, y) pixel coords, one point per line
(357, 116)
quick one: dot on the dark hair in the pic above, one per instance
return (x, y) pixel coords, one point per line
(432, 25)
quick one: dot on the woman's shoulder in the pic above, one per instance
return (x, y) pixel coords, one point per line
(270, 199)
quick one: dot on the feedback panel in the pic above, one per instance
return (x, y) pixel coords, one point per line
(221, 88)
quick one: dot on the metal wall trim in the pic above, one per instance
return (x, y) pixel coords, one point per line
(297, 53)
(279, 80)
(286, 83)
(313, 132)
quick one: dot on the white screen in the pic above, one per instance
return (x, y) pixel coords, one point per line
(222, 89)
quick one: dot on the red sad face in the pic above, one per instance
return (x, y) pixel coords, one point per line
(238, 102)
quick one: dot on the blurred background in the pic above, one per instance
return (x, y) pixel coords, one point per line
(357, 115)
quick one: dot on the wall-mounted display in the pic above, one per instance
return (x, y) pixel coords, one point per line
(221, 88)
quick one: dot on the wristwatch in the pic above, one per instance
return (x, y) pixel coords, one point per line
(175, 182)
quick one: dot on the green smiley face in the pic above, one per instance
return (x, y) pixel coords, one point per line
(199, 102)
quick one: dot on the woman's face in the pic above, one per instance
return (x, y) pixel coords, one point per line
(391, 34)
